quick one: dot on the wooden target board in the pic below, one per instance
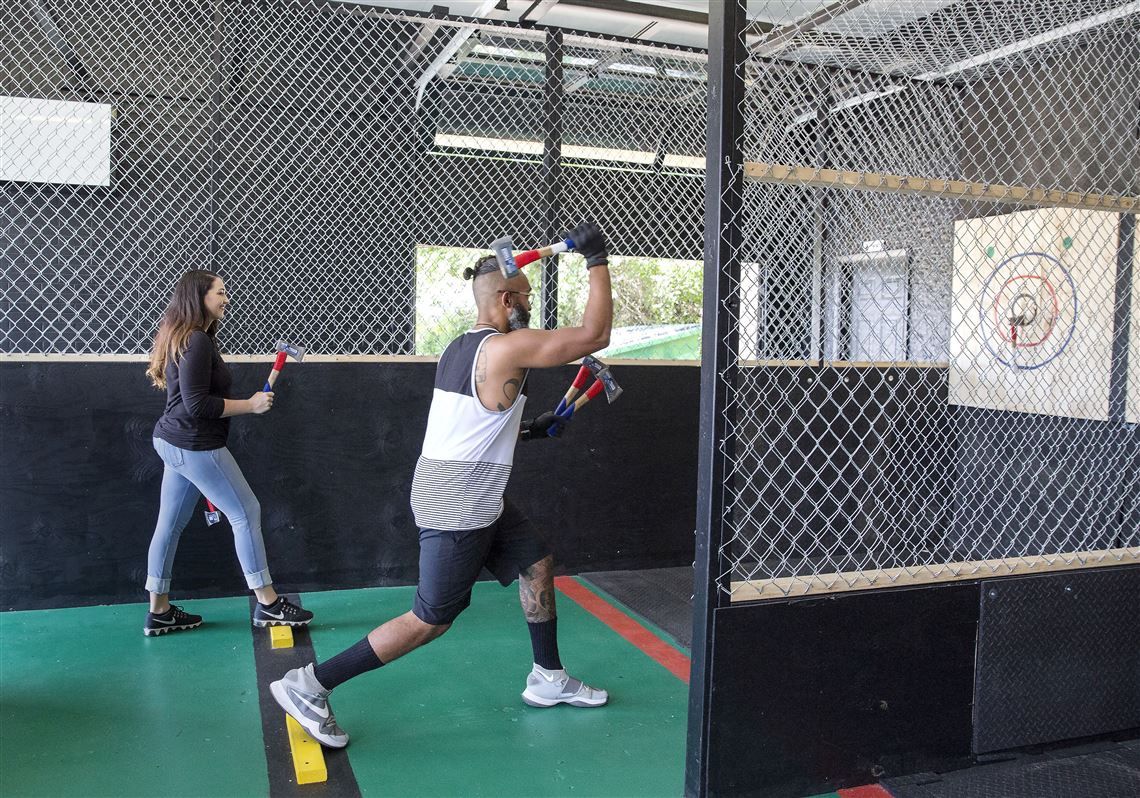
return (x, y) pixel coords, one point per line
(1032, 312)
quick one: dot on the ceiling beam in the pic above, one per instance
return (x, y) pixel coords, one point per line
(593, 41)
(778, 40)
(643, 10)
(460, 55)
(594, 71)
(669, 13)
(1078, 26)
(427, 30)
(538, 9)
(458, 39)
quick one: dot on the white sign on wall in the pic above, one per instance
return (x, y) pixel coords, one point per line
(52, 141)
(1032, 314)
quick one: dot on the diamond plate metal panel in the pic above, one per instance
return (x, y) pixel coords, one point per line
(1058, 658)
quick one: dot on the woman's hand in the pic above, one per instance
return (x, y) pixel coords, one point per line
(260, 402)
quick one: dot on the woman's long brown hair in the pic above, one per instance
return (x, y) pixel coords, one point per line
(185, 314)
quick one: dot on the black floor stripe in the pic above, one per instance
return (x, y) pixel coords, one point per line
(271, 664)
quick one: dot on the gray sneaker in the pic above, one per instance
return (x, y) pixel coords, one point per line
(546, 688)
(302, 697)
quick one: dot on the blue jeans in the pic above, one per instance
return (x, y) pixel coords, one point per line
(215, 474)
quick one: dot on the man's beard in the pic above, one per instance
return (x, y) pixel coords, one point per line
(519, 318)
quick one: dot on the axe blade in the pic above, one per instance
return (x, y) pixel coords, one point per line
(503, 250)
(593, 364)
(603, 374)
(293, 351)
(613, 390)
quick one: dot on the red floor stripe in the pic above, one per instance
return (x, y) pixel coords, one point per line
(866, 791)
(650, 644)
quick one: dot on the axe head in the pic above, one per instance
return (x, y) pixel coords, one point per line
(602, 372)
(293, 351)
(503, 250)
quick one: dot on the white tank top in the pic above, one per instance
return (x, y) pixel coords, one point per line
(468, 450)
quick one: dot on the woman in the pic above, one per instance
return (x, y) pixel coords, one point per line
(190, 437)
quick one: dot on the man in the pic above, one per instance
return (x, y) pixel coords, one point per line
(457, 493)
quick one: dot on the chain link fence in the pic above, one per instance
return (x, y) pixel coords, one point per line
(934, 306)
(337, 164)
(935, 301)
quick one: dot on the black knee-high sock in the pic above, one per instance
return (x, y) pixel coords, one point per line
(351, 662)
(544, 641)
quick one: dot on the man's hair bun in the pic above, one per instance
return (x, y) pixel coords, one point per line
(484, 265)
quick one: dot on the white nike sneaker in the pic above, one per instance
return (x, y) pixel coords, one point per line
(546, 688)
(302, 697)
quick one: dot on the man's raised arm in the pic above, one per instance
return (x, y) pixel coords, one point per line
(535, 349)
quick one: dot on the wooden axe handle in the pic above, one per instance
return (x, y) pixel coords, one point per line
(578, 384)
(593, 391)
(278, 364)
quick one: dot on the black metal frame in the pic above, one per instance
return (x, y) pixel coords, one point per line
(724, 187)
(553, 108)
(1118, 376)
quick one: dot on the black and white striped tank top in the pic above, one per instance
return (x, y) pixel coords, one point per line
(468, 450)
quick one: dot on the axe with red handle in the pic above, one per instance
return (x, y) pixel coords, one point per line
(603, 381)
(284, 350)
(510, 264)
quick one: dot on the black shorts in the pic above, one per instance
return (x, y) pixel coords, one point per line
(450, 562)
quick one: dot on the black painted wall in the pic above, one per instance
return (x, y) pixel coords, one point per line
(332, 466)
(816, 694)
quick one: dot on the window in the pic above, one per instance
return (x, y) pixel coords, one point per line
(867, 316)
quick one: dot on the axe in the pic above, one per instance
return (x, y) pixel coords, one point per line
(603, 381)
(510, 264)
(284, 350)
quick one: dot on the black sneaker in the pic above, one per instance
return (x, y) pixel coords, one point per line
(173, 620)
(281, 613)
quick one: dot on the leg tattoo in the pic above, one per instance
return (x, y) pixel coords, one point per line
(536, 591)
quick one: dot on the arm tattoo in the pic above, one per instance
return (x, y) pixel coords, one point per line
(481, 368)
(511, 392)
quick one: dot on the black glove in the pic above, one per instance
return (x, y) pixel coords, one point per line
(590, 243)
(548, 425)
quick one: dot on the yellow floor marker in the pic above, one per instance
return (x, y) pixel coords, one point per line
(281, 636)
(308, 759)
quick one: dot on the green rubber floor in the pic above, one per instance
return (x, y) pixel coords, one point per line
(91, 707)
(447, 719)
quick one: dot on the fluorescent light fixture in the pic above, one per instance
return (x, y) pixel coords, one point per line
(681, 74)
(524, 147)
(859, 99)
(530, 55)
(517, 146)
(850, 102)
(52, 141)
(637, 69)
(1034, 41)
(508, 52)
(800, 119)
(684, 161)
